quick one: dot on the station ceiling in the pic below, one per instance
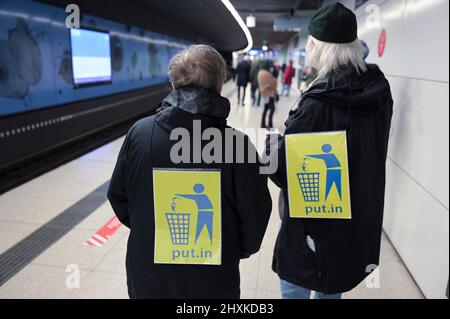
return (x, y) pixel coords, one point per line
(266, 11)
(209, 21)
(201, 21)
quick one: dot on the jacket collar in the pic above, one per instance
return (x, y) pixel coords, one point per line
(199, 101)
(181, 107)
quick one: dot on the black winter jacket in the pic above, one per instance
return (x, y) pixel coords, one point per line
(346, 250)
(246, 202)
(243, 73)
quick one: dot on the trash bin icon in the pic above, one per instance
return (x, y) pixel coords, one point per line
(310, 186)
(179, 227)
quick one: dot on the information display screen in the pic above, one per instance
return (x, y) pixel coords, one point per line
(91, 57)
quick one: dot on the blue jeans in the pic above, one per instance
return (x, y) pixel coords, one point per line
(286, 89)
(291, 291)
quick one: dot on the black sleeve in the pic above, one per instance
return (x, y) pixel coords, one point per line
(275, 147)
(254, 205)
(117, 193)
(309, 118)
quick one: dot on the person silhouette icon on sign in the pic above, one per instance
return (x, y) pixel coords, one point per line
(205, 210)
(334, 169)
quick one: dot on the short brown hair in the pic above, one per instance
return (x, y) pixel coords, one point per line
(198, 66)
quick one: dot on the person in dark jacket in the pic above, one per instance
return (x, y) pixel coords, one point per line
(197, 75)
(332, 257)
(256, 95)
(243, 78)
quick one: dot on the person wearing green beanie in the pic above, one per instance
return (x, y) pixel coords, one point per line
(332, 257)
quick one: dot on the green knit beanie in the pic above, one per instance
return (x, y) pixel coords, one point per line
(334, 24)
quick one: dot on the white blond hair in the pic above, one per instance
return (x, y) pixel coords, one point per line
(330, 57)
(198, 66)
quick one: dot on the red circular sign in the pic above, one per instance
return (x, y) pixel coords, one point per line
(382, 43)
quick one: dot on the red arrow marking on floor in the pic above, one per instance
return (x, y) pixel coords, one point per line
(104, 233)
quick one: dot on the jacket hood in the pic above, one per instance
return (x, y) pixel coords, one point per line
(182, 106)
(365, 94)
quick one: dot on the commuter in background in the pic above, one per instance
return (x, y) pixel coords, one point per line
(332, 257)
(234, 65)
(256, 96)
(288, 75)
(152, 194)
(243, 78)
(277, 69)
(268, 90)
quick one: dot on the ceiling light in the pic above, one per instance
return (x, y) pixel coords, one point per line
(241, 23)
(251, 21)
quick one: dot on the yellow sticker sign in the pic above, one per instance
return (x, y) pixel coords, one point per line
(318, 176)
(188, 226)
